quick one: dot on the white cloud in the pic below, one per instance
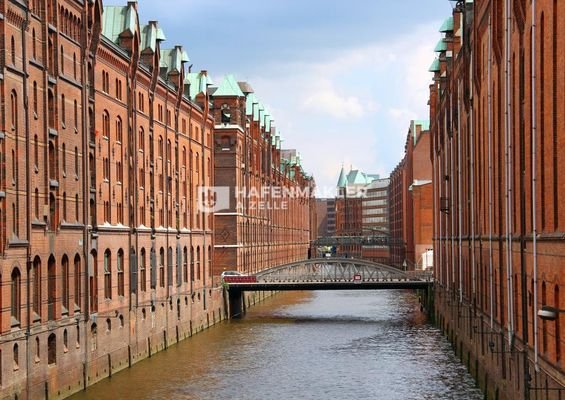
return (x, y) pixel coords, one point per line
(352, 109)
(329, 102)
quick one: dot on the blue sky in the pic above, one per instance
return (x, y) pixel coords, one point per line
(343, 79)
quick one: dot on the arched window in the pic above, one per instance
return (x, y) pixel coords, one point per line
(76, 116)
(64, 206)
(64, 158)
(36, 151)
(119, 129)
(36, 287)
(94, 337)
(77, 209)
(35, 97)
(142, 274)
(63, 111)
(93, 281)
(36, 199)
(52, 161)
(51, 287)
(107, 274)
(162, 267)
(62, 60)
(34, 45)
(16, 356)
(152, 266)
(16, 294)
(192, 276)
(52, 109)
(13, 51)
(198, 272)
(52, 349)
(78, 281)
(75, 66)
(65, 283)
(141, 143)
(65, 341)
(185, 264)
(209, 260)
(14, 110)
(106, 124)
(37, 350)
(160, 148)
(197, 163)
(120, 269)
(169, 266)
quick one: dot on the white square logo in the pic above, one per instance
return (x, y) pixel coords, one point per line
(213, 198)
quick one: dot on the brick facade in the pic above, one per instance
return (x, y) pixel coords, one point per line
(497, 130)
(410, 200)
(105, 144)
(260, 227)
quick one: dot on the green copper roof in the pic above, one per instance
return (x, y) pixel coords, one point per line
(447, 25)
(260, 115)
(249, 101)
(441, 46)
(172, 59)
(424, 123)
(266, 120)
(341, 182)
(198, 83)
(356, 177)
(435, 66)
(150, 35)
(229, 87)
(117, 19)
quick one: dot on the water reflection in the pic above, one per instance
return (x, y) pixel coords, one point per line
(340, 345)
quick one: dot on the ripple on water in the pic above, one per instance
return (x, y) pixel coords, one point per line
(327, 345)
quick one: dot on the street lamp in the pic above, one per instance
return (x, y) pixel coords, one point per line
(549, 313)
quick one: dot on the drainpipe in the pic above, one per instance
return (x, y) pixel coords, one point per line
(25, 25)
(459, 195)
(490, 205)
(440, 218)
(534, 210)
(472, 181)
(451, 203)
(509, 287)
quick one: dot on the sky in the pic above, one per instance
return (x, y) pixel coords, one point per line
(342, 79)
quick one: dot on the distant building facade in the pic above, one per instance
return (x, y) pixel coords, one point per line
(375, 219)
(260, 226)
(411, 202)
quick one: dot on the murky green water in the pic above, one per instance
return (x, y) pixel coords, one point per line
(299, 345)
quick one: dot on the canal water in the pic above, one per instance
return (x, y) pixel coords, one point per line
(305, 345)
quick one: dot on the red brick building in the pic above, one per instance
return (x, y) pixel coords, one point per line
(106, 142)
(411, 201)
(259, 226)
(497, 127)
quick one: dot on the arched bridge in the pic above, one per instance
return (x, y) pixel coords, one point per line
(325, 274)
